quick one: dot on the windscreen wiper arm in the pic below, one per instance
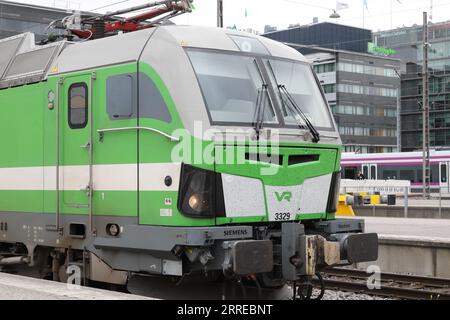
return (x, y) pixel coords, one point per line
(260, 109)
(282, 89)
(314, 133)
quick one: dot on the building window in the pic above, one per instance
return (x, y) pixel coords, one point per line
(366, 90)
(326, 67)
(354, 131)
(78, 105)
(329, 88)
(388, 112)
(370, 70)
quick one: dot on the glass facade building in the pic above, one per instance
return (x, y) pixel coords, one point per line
(407, 42)
(363, 92)
(326, 35)
(16, 18)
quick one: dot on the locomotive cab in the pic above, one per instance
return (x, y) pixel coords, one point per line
(257, 156)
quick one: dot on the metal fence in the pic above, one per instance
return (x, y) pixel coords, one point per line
(440, 197)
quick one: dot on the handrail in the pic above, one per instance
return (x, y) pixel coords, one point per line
(91, 155)
(102, 131)
(59, 85)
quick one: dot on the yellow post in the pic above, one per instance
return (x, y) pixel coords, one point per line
(375, 199)
(343, 209)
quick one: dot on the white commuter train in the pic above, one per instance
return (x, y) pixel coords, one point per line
(398, 166)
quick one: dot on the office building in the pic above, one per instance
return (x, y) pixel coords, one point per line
(363, 93)
(325, 34)
(406, 44)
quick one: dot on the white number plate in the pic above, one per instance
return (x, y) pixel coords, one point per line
(283, 202)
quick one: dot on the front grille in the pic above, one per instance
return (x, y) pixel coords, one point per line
(297, 159)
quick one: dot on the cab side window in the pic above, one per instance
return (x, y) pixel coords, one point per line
(151, 102)
(125, 92)
(120, 101)
(78, 105)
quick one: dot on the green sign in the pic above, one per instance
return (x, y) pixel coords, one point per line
(372, 48)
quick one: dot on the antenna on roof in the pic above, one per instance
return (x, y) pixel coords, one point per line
(89, 27)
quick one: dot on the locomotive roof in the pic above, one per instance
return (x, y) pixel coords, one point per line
(128, 47)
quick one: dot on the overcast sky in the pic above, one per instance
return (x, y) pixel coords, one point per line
(280, 13)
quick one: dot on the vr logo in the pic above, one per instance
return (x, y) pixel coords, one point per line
(284, 196)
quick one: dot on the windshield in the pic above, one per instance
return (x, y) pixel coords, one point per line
(299, 81)
(233, 87)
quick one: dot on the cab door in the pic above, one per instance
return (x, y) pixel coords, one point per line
(373, 172)
(444, 171)
(370, 171)
(75, 145)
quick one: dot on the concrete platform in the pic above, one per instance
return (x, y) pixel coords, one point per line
(417, 208)
(399, 212)
(13, 287)
(419, 202)
(411, 246)
(426, 229)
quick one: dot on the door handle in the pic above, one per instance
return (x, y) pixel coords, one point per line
(87, 190)
(86, 146)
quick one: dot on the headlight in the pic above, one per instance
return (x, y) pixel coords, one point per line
(200, 193)
(198, 203)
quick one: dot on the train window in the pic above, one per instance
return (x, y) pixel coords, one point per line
(407, 175)
(365, 172)
(300, 83)
(233, 88)
(373, 172)
(151, 102)
(78, 105)
(390, 174)
(119, 96)
(443, 173)
(351, 173)
(246, 44)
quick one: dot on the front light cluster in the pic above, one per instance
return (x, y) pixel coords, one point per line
(200, 192)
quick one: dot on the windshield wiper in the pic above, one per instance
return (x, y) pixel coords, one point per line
(294, 106)
(260, 109)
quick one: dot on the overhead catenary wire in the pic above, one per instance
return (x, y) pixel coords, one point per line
(109, 5)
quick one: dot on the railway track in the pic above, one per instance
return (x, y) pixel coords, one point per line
(392, 285)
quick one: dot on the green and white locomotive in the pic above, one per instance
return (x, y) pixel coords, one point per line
(169, 151)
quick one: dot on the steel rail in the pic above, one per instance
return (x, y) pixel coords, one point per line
(392, 285)
(386, 291)
(396, 277)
